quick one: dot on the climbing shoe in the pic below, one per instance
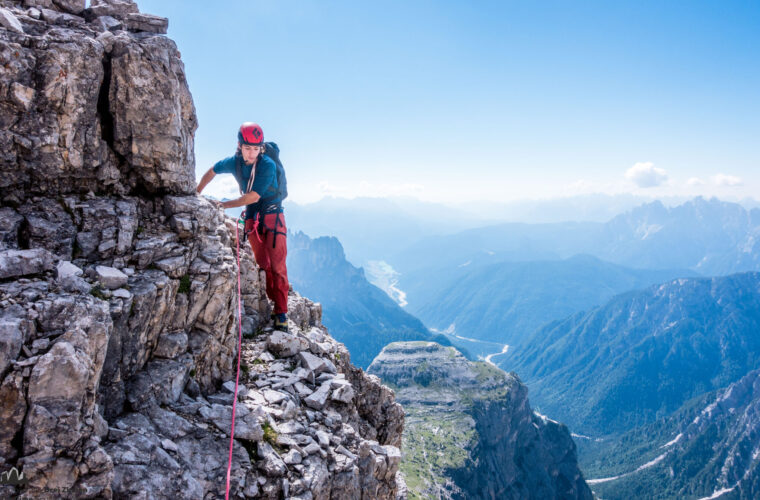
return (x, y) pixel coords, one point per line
(281, 322)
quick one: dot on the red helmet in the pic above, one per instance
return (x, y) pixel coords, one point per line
(250, 133)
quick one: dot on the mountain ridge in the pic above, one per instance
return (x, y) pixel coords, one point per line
(706, 449)
(708, 236)
(667, 343)
(507, 301)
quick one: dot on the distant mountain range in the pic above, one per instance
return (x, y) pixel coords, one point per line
(507, 301)
(376, 228)
(710, 237)
(643, 354)
(373, 228)
(357, 313)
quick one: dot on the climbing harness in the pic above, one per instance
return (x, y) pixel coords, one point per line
(260, 228)
(277, 223)
(240, 349)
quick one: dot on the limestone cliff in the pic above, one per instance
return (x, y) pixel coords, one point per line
(118, 333)
(470, 431)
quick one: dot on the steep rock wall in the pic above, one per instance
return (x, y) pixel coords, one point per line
(118, 293)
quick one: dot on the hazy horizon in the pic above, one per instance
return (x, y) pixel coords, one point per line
(595, 207)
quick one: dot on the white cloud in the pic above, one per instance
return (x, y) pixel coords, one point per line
(727, 180)
(223, 186)
(645, 175)
(695, 181)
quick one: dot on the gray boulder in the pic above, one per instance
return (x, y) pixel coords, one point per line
(316, 364)
(14, 263)
(156, 137)
(71, 6)
(146, 22)
(11, 340)
(318, 398)
(66, 269)
(286, 344)
(246, 423)
(110, 277)
(9, 21)
(118, 9)
(171, 344)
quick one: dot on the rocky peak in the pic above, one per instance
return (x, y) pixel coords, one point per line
(470, 431)
(325, 251)
(427, 364)
(118, 299)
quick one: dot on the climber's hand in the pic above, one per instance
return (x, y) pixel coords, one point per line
(216, 203)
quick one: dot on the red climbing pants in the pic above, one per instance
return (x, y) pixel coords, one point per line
(270, 247)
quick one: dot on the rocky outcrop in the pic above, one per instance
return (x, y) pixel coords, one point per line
(118, 300)
(470, 431)
(103, 109)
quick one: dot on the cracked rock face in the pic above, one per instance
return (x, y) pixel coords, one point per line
(118, 293)
(108, 114)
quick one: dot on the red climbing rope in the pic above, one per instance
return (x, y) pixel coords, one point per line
(237, 375)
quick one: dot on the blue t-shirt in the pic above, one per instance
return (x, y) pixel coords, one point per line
(264, 182)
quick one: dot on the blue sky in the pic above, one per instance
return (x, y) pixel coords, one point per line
(449, 101)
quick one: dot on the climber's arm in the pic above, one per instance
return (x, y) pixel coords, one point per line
(246, 199)
(207, 177)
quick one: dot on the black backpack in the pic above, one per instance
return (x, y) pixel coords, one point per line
(273, 151)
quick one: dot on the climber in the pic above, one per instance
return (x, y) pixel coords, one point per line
(261, 178)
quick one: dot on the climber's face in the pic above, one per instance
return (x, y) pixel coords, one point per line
(250, 153)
